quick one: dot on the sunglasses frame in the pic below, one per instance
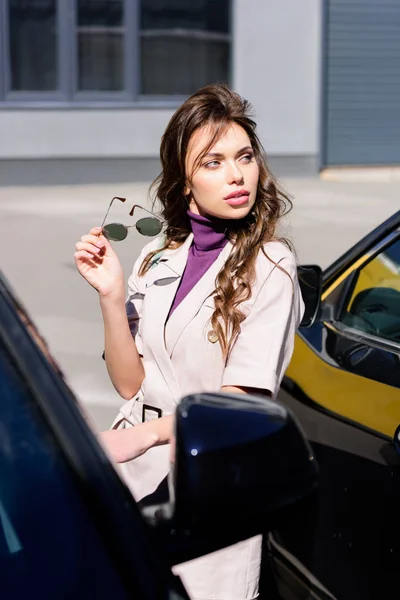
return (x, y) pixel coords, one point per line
(131, 212)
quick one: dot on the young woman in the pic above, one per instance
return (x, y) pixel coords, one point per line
(213, 304)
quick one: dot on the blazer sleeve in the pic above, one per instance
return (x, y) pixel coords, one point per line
(134, 304)
(265, 343)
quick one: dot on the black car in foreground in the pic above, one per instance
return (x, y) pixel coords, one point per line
(69, 528)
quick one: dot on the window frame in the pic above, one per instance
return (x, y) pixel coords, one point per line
(68, 96)
(130, 58)
(5, 66)
(341, 303)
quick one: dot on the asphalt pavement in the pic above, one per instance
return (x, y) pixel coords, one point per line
(39, 227)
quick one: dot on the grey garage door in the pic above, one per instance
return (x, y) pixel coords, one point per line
(361, 94)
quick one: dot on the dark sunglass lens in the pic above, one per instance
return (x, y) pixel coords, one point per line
(149, 226)
(115, 232)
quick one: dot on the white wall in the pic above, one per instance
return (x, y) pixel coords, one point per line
(277, 56)
(276, 65)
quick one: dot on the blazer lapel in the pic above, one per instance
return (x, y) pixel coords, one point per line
(192, 303)
(162, 281)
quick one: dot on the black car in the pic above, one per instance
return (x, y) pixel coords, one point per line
(343, 384)
(69, 527)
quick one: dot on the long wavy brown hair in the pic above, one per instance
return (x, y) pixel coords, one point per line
(216, 106)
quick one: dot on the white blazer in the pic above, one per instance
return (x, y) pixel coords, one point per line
(181, 356)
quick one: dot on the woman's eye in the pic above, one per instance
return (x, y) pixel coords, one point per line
(247, 158)
(212, 164)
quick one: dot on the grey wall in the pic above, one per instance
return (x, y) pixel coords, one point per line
(93, 133)
(276, 59)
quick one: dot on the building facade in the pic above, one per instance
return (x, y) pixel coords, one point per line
(94, 80)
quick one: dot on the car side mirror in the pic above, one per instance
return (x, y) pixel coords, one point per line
(310, 280)
(239, 460)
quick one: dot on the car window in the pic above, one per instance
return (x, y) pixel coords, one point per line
(374, 306)
(49, 545)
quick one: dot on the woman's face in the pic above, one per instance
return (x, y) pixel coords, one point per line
(225, 183)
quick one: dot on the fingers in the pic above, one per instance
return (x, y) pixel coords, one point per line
(93, 247)
(82, 254)
(91, 250)
(97, 232)
(96, 237)
(86, 258)
(97, 241)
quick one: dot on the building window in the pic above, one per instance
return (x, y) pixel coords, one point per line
(32, 45)
(100, 45)
(111, 50)
(183, 45)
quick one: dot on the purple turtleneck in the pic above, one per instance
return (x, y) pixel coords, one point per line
(208, 240)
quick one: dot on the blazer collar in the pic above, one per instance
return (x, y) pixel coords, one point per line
(192, 303)
(162, 281)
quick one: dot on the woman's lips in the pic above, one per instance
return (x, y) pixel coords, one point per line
(238, 200)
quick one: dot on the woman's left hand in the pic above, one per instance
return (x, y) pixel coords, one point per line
(123, 445)
(126, 444)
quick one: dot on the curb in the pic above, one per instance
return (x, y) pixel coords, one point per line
(378, 174)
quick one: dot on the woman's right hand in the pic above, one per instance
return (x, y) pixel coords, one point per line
(98, 264)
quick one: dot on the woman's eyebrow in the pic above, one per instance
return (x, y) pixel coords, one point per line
(213, 155)
(220, 155)
(244, 149)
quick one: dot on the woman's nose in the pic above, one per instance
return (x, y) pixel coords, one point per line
(235, 174)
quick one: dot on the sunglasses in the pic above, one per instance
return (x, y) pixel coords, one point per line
(117, 232)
